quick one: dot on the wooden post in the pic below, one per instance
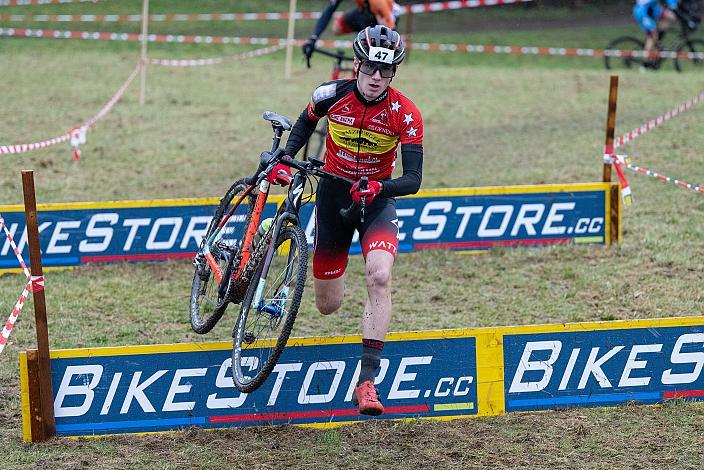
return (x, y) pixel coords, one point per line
(43, 366)
(290, 37)
(610, 126)
(143, 78)
(409, 32)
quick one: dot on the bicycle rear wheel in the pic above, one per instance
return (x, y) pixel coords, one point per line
(264, 326)
(208, 302)
(626, 43)
(683, 64)
(315, 146)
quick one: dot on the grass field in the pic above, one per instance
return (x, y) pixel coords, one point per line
(489, 120)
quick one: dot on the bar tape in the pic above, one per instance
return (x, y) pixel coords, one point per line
(468, 48)
(14, 247)
(10, 323)
(650, 125)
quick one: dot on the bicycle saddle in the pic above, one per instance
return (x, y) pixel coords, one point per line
(278, 120)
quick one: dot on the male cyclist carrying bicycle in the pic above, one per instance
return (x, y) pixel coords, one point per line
(366, 13)
(654, 20)
(368, 119)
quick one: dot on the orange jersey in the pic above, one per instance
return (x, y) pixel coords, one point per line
(381, 9)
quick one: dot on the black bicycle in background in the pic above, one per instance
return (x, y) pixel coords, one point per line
(315, 147)
(688, 20)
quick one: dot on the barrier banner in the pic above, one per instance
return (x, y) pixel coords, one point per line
(434, 374)
(602, 368)
(457, 219)
(158, 388)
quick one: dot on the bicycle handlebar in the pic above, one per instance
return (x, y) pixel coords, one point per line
(339, 55)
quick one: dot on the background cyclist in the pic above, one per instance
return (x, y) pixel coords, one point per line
(654, 19)
(367, 120)
(366, 13)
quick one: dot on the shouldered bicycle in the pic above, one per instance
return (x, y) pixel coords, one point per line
(263, 267)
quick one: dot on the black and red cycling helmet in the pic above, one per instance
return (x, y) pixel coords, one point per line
(379, 44)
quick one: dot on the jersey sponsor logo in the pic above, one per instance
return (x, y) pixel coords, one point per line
(362, 141)
(324, 92)
(382, 118)
(349, 120)
(346, 108)
(332, 273)
(383, 130)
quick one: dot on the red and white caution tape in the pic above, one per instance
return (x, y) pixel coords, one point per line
(215, 60)
(617, 161)
(77, 135)
(468, 48)
(10, 323)
(12, 3)
(623, 160)
(23, 265)
(650, 125)
(457, 5)
(301, 15)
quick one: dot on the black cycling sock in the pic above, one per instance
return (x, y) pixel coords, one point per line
(371, 358)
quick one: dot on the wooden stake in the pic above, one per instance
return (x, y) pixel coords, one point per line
(145, 28)
(43, 367)
(290, 37)
(610, 125)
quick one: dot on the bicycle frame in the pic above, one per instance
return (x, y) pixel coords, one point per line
(287, 212)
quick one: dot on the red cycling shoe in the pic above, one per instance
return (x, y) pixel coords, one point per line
(366, 397)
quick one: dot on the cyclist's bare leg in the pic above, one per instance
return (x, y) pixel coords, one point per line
(377, 312)
(329, 294)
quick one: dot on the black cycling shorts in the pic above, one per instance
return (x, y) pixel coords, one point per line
(355, 20)
(333, 237)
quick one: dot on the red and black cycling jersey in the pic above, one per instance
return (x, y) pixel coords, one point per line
(363, 135)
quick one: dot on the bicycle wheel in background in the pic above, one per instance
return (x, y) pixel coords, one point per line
(262, 330)
(315, 147)
(626, 43)
(207, 305)
(683, 64)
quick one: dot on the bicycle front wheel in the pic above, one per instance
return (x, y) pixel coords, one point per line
(690, 63)
(626, 43)
(208, 301)
(268, 311)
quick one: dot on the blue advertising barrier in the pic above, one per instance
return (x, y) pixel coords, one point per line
(457, 219)
(436, 374)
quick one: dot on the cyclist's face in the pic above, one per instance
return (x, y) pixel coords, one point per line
(371, 86)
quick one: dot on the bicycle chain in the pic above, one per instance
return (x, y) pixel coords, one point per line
(235, 293)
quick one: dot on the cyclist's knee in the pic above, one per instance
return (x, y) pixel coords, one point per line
(379, 277)
(327, 305)
(329, 294)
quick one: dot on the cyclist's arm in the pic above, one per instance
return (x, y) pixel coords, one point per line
(323, 97)
(324, 19)
(409, 181)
